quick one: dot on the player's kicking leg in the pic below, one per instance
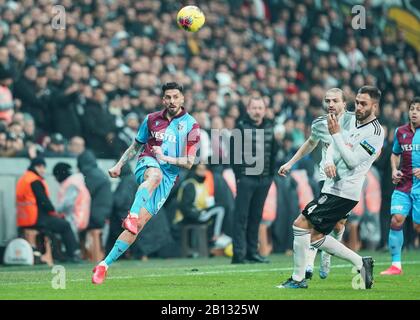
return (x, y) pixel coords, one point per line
(325, 266)
(305, 235)
(134, 223)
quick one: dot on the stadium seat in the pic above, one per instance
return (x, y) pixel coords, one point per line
(194, 240)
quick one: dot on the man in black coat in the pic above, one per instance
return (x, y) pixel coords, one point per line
(99, 125)
(253, 161)
(32, 90)
(99, 188)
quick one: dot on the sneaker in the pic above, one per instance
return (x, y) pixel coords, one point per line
(324, 269)
(392, 271)
(367, 272)
(130, 224)
(309, 272)
(99, 274)
(293, 284)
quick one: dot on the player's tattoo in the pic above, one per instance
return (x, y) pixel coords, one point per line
(130, 153)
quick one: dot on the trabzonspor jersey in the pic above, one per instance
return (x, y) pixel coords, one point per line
(177, 137)
(407, 145)
(319, 132)
(366, 142)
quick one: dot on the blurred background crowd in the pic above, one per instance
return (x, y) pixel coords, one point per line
(90, 85)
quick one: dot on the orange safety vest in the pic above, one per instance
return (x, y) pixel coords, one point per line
(26, 206)
(81, 209)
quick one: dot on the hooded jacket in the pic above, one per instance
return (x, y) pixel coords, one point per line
(97, 183)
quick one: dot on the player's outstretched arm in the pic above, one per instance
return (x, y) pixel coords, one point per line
(129, 154)
(306, 148)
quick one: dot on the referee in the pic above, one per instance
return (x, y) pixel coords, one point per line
(253, 162)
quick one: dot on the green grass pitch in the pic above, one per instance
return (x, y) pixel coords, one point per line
(208, 279)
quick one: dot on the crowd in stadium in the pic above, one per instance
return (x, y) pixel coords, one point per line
(91, 84)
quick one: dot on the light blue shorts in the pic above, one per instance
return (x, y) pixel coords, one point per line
(161, 193)
(402, 203)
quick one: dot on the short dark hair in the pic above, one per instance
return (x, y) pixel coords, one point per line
(372, 91)
(414, 101)
(171, 86)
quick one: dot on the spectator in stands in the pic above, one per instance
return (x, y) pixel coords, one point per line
(6, 99)
(35, 209)
(76, 146)
(99, 124)
(32, 90)
(126, 134)
(56, 148)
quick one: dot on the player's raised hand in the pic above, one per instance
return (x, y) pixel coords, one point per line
(115, 171)
(333, 125)
(284, 169)
(330, 170)
(397, 175)
(416, 173)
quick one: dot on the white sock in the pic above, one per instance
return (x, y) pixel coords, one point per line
(301, 243)
(397, 264)
(336, 248)
(335, 235)
(310, 259)
(103, 263)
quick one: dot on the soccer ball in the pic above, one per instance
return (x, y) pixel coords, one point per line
(190, 18)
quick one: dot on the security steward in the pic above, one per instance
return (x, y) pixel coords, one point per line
(35, 210)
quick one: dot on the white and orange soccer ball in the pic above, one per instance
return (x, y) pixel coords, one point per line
(190, 18)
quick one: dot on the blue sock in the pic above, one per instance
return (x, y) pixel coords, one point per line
(142, 196)
(395, 243)
(119, 248)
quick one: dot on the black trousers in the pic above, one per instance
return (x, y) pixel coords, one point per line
(61, 227)
(249, 203)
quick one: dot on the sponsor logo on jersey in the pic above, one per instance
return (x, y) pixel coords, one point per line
(181, 126)
(162, 136)
(369, 149)
(410, 147)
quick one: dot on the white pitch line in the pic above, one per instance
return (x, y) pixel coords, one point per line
(338, 266)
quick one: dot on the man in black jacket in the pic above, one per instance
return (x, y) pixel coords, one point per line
(253, 162)
(99, 188)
